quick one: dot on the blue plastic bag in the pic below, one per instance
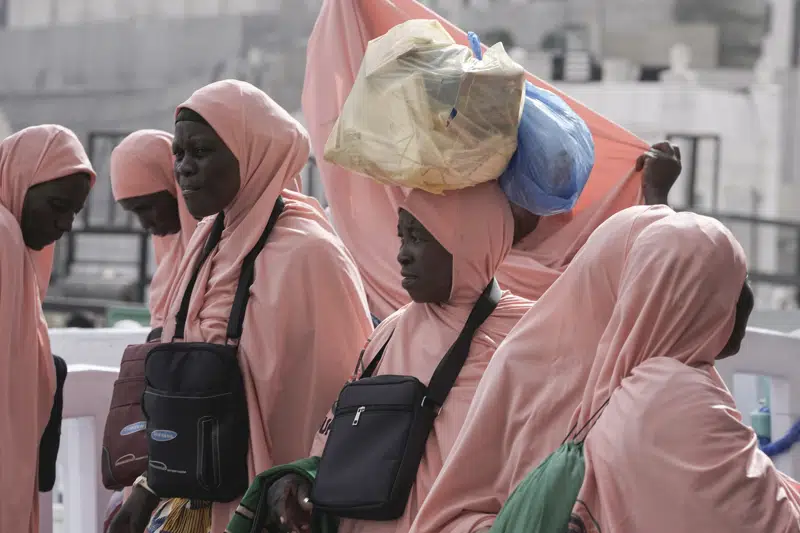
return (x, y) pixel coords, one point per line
(555, 152)
(554, 157)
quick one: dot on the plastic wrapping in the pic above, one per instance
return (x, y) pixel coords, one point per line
(554, 156)
(425, 113)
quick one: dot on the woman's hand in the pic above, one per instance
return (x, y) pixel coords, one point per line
(659, 171)
(135, 513)
(290, 507)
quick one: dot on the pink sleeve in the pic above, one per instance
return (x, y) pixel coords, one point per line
(470, 490)
(679, 458)
(312, 349)
(26, 399)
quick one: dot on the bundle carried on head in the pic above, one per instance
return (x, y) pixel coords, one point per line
(426, 113)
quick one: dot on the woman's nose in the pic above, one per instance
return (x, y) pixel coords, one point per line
(184, 167)
(403, 257)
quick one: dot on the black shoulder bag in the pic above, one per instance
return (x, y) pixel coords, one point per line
(380, 427)
(194, 400)
(51, 438)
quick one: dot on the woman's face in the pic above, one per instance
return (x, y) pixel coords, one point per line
(207, 171)
(157, 212)
(743, 309)
(426, 267)
(49, 209)
(524, 222)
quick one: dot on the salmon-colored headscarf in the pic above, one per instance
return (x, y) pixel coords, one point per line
(27, 376)
(142, 164)
(522, 409)
(362, 209)
(307, 317)
(670, 452)
(475, 225)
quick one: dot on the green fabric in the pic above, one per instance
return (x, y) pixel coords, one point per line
(242, 521)
(543, 502)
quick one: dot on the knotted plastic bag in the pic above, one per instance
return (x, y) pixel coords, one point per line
(554, 157)
(425, 113)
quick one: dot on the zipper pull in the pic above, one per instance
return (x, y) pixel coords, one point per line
(358, 415)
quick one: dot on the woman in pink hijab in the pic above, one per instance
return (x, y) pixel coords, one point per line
(532, 387)
(45, 178)
(452, 245)
(143, 182)
(670, 452)
(236, 151)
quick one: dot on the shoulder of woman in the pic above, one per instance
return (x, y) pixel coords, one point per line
(310, 243)
(662, 394)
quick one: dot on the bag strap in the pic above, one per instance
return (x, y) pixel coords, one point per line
(236, 319)
(587, 427)
(446, 373)
(248, 274)
(211, 243)
(373, 365)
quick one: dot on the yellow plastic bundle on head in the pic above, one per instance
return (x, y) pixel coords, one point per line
(425, 113)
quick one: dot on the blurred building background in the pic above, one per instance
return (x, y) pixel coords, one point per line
(719, 77)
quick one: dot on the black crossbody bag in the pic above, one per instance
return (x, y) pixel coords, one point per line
(194, 400)
(380, 427)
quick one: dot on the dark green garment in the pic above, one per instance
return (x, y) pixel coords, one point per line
(543, 502)
(242, 521)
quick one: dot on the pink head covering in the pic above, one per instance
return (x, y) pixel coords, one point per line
(475, 225)
(535, 379)
(27, 376)
(307, 317)
(142, 164)
(671, 425)
(335, 49)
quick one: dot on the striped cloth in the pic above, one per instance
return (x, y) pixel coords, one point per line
(180, 515)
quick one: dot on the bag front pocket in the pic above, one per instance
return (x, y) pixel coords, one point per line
(188, 459)
(381, 431)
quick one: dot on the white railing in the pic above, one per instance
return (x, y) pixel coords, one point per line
(93, 357)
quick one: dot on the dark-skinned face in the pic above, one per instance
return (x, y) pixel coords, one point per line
(157, 212)
(49, 209)
(524, 222)
(743, 309)
(207, 171)
(426, 266)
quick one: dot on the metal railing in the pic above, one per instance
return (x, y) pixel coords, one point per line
(782, 239)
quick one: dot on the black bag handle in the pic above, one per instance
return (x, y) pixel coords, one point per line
(248, 274)
(211, 243)
(236, 319)
(446, 373)
(367, 373)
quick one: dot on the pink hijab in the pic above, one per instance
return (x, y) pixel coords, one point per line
(670, 452)
(529, 392)
(142, 164)
(307, 318)
(27, 377)
(335, 50)
(476, 227)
